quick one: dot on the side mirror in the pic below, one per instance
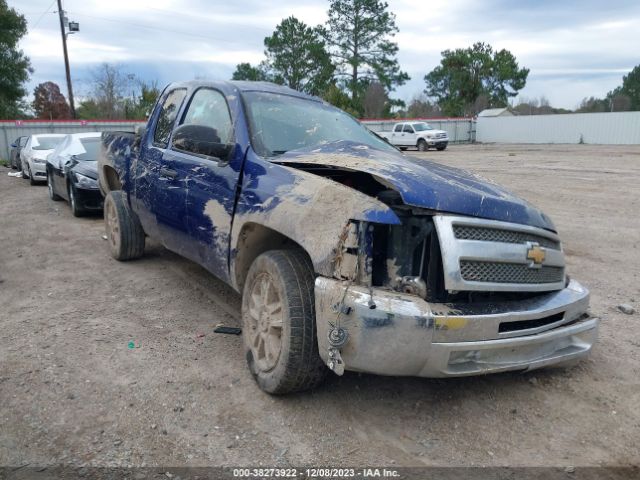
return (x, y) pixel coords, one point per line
(201, 140)
(14, 145)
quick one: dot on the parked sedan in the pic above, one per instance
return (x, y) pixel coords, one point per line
(72, 172)
(16, 147)
(33, 157)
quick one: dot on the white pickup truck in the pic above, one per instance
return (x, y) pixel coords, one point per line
(416, 134)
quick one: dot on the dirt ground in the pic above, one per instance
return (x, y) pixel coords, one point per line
(73, 392)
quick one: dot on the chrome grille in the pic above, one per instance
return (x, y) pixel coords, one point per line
(465, 232)
(498, 272)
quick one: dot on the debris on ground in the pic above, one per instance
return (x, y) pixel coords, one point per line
(626, 309)
(228, 330)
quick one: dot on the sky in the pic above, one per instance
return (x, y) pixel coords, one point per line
(574, 49)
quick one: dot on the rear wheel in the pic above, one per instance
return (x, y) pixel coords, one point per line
(278, 318)
(124, 232)
(422, 145)
(24, 173)
(52, 194)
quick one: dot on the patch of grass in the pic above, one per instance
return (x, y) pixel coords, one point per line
(4, 163)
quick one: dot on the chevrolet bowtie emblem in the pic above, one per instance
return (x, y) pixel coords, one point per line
(536, 254)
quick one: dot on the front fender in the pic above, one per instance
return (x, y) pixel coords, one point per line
(311, 210)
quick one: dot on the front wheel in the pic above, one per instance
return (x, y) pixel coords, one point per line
(73, 202)
(124, 232)
(32, 181)
(24, 173)
(422, 146)
(52, 194)
(441, 147)
(278, 319)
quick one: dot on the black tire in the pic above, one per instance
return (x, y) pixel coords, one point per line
(124, 232)
(32, 182)
(24, 174)
(441, 148)
(402, 148)
(73, 202)
(52, 195)
(298, 365)
(422, 145)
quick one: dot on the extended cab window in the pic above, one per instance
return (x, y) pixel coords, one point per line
(209, 108)
(167, 117)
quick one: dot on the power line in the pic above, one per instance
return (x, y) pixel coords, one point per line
(42, 15)
(159, 29)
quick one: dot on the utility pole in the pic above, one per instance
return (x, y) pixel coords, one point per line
(66, 59)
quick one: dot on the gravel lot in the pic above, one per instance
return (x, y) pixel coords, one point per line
(73, 392)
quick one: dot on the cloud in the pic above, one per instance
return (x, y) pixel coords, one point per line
(573, 48)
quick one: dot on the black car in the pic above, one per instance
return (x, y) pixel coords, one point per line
(74, 177)
(16, 146)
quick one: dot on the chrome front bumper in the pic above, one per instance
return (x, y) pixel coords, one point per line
(405, 335)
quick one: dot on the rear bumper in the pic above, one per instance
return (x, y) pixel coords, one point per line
(405, 335)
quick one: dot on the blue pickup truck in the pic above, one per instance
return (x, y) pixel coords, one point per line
(348, 254)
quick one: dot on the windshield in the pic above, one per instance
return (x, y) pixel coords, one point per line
(421, 127)
(46, 143)
(91, 147)
(280, 123)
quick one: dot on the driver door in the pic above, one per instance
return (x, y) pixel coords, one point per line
(211, 182)
(409, 137)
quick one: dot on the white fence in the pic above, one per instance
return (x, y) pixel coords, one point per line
(12, 129)
(460, 130)
(615, 128)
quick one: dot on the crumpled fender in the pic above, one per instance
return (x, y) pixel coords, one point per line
(311, 210)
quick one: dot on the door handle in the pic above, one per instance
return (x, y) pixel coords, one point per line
(168, 173)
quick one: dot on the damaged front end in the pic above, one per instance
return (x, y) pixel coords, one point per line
(445, 295)
(468, 278)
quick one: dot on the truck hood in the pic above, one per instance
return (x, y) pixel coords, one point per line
(424, 184)
(434, 131)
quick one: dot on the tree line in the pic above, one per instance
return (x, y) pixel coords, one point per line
(351, 61)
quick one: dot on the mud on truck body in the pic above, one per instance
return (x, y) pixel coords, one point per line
(348, 254)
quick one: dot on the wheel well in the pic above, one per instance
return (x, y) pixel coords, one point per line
(112, 180)
(254, 240)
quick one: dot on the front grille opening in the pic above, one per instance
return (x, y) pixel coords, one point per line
(486, 234)
(498, 272)
(528, 324)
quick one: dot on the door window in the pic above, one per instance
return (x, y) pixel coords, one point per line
(167, 117)
(209, 108)
(398, 128)
(407, 128)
